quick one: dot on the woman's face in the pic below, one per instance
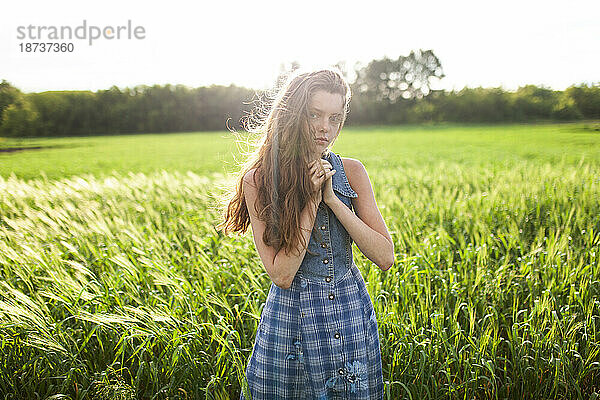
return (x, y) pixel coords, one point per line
(325, 114)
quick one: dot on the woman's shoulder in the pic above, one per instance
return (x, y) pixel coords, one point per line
(353, 168)
(350, 162)
(347, 162)
(249, 176)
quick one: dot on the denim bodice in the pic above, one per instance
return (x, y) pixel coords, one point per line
(329, 254)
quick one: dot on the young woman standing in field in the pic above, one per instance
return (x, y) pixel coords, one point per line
(317, 337)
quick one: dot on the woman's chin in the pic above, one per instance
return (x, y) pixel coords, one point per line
(319, 150)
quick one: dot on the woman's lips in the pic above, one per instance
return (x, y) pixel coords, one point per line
(322, 141)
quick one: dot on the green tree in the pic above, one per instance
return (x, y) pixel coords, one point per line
(566, 108)
(531, 102)
(20, 119)
(404, 78)
(586, 98)
(8, 95)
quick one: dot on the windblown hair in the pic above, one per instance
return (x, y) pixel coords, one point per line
(283, 151)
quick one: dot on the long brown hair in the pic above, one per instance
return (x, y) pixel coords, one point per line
(283, 151)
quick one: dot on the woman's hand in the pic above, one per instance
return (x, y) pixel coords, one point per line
(327, 188)
(320, 172)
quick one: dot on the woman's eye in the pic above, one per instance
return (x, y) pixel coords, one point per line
(336, 120)
(313, 115)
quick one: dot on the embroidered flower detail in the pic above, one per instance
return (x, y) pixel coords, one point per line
(356, 375)
(324, 396)
(332, 381)
(298, 356)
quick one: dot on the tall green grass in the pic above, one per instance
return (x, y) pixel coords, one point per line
(116, 285)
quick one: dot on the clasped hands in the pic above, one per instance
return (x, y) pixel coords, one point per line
(321, 172)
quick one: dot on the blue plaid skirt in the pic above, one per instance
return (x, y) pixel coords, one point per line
(312, 343)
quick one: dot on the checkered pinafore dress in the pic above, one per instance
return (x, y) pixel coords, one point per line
(319, 338)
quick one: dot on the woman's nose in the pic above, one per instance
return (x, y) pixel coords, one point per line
(323, 125)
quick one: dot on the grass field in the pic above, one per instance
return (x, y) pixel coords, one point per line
(116, 285)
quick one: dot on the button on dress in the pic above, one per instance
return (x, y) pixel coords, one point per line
(319, 338)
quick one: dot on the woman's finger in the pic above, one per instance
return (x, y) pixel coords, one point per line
(320, 172)
(327, 175)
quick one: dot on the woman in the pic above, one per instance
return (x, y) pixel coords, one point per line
(317, 337)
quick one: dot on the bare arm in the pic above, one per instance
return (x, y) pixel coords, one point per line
(285, 266)
(280, 267)
(367, 227)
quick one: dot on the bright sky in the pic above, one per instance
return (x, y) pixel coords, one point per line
(196, 43)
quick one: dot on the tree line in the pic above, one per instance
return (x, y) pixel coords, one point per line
(385, 91)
